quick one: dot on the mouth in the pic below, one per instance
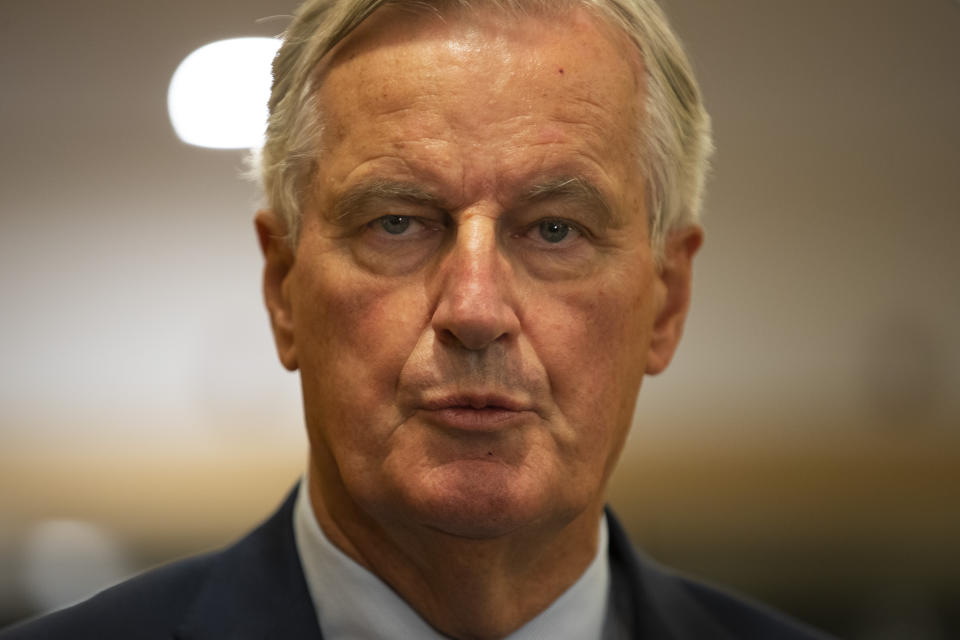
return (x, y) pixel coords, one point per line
(476, 412)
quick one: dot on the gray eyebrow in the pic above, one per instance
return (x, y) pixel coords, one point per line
(355, 198)
(577, 189)
(574, 188)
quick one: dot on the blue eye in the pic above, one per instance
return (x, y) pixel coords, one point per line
(554, 231)
(395, 225)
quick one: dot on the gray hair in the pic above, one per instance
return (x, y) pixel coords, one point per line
(676, 140)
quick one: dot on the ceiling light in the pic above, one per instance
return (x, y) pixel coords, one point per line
(218, 95)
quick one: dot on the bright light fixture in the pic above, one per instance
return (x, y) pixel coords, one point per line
(218, 95)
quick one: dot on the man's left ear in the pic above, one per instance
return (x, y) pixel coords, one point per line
(676, 275)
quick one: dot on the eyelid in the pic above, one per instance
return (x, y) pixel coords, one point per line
(426, 224)
(358, 210)
(576, 227)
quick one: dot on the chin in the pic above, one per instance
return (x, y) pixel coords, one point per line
(478, 499)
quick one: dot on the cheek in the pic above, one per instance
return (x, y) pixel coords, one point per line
(353, 336)
(594, 350)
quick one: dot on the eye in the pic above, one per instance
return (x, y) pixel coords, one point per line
(394, 225)
(556, 248)
(399, 242)
(396, 230)
(554, 231)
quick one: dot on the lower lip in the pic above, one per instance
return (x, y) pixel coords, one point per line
(469, 419)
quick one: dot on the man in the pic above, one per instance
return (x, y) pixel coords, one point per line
(481, 229)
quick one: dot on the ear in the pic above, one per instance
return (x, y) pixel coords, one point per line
(676, 275)
(278, 262)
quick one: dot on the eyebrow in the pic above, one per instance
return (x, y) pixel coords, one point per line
(359, 197)
(578, 190)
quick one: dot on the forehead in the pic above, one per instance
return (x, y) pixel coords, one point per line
(478, 84)
(569, 24)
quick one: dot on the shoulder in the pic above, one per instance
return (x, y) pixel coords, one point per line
(660, 603)
(145, 607)
(252, 589)
(738, 616)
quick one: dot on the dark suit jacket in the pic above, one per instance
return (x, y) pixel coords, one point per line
(255, 589)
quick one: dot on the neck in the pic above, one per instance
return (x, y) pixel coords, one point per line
(465, 588)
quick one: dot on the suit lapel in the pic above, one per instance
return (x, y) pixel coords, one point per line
(256, 589)
(649, 600)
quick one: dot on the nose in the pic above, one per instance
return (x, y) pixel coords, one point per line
(475, 307)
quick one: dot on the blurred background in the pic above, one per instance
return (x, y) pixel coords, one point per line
(804, 446)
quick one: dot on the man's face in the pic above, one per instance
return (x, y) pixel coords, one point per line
(473, 300)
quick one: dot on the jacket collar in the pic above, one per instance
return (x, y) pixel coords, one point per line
(652, 600)
(256, 589)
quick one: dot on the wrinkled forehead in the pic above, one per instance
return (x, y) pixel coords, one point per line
(481, 104)
(395, 23)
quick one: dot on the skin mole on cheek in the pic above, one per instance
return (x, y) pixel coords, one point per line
(560, 70)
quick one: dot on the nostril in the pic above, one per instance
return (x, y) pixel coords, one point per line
(471, 332)
(447, 337)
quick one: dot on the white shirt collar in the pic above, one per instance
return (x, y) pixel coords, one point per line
(354, 604)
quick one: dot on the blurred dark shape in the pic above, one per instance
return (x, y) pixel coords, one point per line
(902, 613)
